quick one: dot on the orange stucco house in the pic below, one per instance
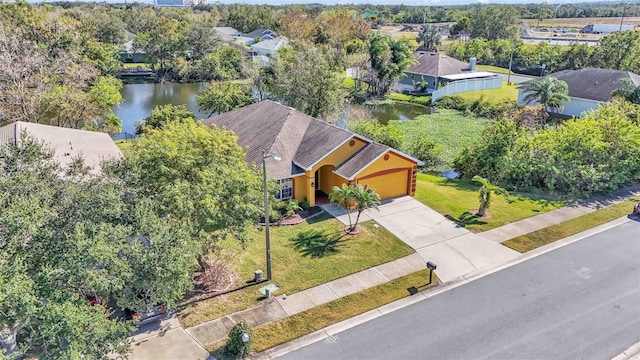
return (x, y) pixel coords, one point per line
(315, 155)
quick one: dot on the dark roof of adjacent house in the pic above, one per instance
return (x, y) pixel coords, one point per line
(260, 32)
(358, 161)
(436, 64)
(594, 84)
(66, 143)
(299, 140)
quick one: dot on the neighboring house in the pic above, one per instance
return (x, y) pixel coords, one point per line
(437, 68)
(588, 88)
(269, 47)
(263, 34)
(129, 55)
(66, 143)
(315, 155)
(227, 31)
(245, 40)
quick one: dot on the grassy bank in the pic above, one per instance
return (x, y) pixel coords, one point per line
(455, 199)
(556, 232)
(449, 128)
(270, 335)
(303, 256)
(505, 93)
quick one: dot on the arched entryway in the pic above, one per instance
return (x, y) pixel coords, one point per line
(324, 182)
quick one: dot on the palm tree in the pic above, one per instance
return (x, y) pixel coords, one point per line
(631, 91)
(355, 198)
(485, 191)
(550, 92)
(430, 37)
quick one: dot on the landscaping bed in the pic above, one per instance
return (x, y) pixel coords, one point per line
(556, 232)
(455, 199)
(303, 256)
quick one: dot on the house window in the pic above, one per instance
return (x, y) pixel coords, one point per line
(286, 189)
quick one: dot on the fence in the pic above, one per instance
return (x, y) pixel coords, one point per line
(461, 86)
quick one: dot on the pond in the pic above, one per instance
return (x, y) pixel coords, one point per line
(140, 99)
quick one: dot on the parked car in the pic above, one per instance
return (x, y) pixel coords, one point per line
(145, 317)
(636, 209)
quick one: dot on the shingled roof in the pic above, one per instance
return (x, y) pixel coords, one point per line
(66, 143)
(300, 140)
(594, 84)
(358, 161)
(436, 64)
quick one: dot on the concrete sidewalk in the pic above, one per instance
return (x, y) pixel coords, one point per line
(529, 225)
(283, 306)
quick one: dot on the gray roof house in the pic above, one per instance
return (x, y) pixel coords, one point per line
(315, 155)
(269, 47)
(265, 34)
(588, 88)
(66, 143)
(435, 68)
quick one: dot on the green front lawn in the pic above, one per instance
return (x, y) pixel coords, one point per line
(303, 256)
(570, 227)
(273, 334)
(449, 128)
(455, 199)
(505, 93)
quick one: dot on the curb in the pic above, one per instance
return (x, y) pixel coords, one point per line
(633, 353)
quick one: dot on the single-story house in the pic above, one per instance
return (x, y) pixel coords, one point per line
(263, 34)
(431, 67)
(588, 88)
(66, 143)
(269, 47)
(226, 30)
(315, 155)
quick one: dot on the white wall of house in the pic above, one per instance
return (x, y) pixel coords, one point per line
(575, 106)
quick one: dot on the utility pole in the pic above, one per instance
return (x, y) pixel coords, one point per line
(624, 9)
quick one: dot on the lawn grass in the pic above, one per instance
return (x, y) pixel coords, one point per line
(455, 198)
(505, 93)
(123, 145)
(135, 65)
(552, 233)
(449, 128)
(303, 256)
(408, 98)
(273, 334)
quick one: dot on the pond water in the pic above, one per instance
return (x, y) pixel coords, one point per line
(140, 99)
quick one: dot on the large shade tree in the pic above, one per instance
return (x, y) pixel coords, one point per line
(224, 96)
(550, 92)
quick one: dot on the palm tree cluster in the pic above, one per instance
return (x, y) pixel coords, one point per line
(550, 92)
(355, 198)
(430, 37)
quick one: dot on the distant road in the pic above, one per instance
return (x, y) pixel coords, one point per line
(581, 301)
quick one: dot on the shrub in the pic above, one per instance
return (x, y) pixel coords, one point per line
(291, 207)
(388, 135)
(425, 150)
(412, 99)
(236, 345)
(304, 204)
(483, 107)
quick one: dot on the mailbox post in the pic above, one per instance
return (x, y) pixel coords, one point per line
(431, 267)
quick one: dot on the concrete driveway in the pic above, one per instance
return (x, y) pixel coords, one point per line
(455, 250)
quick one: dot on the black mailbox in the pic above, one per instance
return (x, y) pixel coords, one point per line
(431, 265)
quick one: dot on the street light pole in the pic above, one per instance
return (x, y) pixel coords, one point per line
(266, 208)
(266, 212)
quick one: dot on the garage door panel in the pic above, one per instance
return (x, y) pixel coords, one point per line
(388, 185)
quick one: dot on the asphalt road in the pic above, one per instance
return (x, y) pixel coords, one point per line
(581, 301)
